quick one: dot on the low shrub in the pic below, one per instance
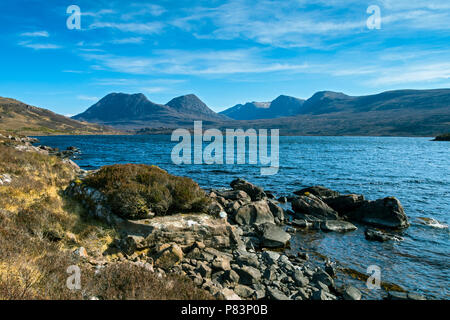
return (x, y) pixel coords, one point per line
(137, 191)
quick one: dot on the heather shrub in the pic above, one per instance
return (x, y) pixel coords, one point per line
(138, 191)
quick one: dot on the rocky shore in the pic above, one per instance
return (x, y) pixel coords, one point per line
(232, 243)
(235, 244)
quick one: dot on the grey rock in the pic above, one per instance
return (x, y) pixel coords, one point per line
(248, 275)
(312, 205)
(351, 293)
(382, 213)
(323, 295)
(273, 236)
(276, 210)
(337, 226)
(345, 203)
(243, 291)
(380, 236)
(256, 193)
(276, 294)
(300, 279)
(318, 191)
(257, 212)
(270, 256)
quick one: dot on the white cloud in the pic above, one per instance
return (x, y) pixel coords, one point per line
(128, 40)
(145, 10)
(39, 46)
(44, 34)
(142, 28)
(87, 98)
(182, 62)
(413, 74)
(155, 89)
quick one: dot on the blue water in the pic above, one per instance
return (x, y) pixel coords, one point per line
(415, 170)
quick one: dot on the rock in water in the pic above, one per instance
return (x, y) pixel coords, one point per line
(383, 213)
(312, 205)
(351, 293)
(337, 226)
(254, 213)
(377, 235)
(256, 193)
(345, 203)
(318, 191)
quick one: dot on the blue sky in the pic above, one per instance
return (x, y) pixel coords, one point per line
(226, 52)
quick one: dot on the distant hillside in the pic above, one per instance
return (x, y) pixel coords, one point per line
(329, 102)
(283, 106)
(132, 111)
(20, 118)
(326, 102)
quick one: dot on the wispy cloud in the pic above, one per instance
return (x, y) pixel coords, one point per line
(128, 40)
(87, 98)
(144, 10)
(141, 28)
(44, 34)
(39, 46)
(413, 74)
(182, 62)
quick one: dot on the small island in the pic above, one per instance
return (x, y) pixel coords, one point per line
(443, 137)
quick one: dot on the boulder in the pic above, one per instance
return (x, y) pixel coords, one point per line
(318, 191)
(221, 264)
(228, 294)
(337, 226)
(382, 213)
(345, 203)
(271, 257)
(248, 259)
(380, 236)
(187, 229)
(323, 295)
(257, 212)
(243, 291)
(351, 293)
(312, 205)
(301, 223)
(234, 195)
(248, 275)
(276, 210)
(300, 279)
(256, 193)
(276, 294)
(230, 277)
(273, 236)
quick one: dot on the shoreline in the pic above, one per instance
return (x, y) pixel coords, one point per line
(249, 251)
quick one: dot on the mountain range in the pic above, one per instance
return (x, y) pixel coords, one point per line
(392, 113)
(399, 112)
(132, 111)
